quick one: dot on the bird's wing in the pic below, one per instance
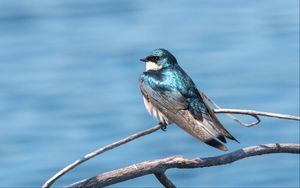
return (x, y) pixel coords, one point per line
(164, 100)
(212, 117)
(174, 106)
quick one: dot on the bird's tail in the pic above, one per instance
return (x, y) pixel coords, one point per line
(215, 120)
(203, 130)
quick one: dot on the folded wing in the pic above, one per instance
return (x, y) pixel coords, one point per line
(176, 107)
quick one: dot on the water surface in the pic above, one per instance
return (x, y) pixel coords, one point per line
(68, 79)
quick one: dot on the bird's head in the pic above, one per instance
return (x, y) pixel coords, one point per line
(158, 59)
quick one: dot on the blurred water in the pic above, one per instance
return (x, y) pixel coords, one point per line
(68, 79)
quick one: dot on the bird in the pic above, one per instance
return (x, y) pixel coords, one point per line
(171, 96)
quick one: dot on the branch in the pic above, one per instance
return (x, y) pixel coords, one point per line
(257, 113)
(163, 179)
(50, 181)
(230, 115)
(161, 165)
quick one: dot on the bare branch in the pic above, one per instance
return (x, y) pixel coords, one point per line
(230, 115)
(257, 113)
(49, 182)
(157, 166)
(163, 179)
(252, 113)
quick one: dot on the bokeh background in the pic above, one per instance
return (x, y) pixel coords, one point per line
(68, 85)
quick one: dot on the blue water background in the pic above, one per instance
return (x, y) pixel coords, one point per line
(68, 85)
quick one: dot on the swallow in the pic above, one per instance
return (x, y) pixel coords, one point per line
(171, 96)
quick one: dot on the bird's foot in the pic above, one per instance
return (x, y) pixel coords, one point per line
(163, 126)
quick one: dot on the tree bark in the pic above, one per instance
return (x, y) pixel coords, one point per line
(161, 165)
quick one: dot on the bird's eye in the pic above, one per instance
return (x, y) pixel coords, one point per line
(153, 58)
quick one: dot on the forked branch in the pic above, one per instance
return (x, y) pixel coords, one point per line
(50, 181)
(161, 165)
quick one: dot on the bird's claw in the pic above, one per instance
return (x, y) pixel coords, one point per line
(163, 127)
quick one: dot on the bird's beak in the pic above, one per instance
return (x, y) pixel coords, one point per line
(143, 60)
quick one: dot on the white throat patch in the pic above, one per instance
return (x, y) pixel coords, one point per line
(152, 66)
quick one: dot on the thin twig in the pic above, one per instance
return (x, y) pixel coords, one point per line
(164, 180)
(259, 113)
(49, 182)
(155, 166)
(230, 115)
